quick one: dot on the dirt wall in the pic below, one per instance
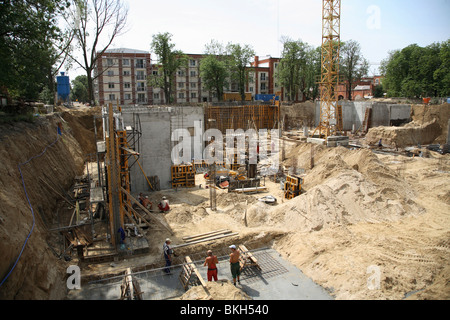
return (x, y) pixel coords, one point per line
(38, 274)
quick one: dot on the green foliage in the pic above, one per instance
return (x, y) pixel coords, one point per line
(27, 34)
(79, 91)
(353, 66)
(299, 69)
(418, 71)
(170, 61)
(214, 69)
(240, 57)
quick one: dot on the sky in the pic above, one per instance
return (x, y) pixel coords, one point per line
(380, 26)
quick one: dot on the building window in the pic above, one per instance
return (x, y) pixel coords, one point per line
(192, 63)
(140, 86)
(155, 72)
(156, 96)
(126, 62)
(109, 62)
(263, 76)
(263, 86)
(180, 73)
(194, 95)
(140, 63)
(111, 85)
(180, 85)
(181, 95)
(127, 96)
(127, 85)
(110, 73)
(112, 97)
(193, 73)
(141, 98)
(193, 85)
(140, 75)
(127, 73)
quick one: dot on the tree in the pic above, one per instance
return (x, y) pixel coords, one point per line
(416, 71)
(214, 69)
(79, 90)
(293, 60)
(442, 74)
(240, 57)
(95, 22)
(299, 69)
(353, 65)
(28, 34)
(170, 61)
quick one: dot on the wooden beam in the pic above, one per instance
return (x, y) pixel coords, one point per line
(194, 268)
(206, 239)
(206, 234)
(155, 218)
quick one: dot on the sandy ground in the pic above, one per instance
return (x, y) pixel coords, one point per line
(367, 226)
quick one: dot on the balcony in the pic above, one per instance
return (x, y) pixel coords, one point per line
(141, 77)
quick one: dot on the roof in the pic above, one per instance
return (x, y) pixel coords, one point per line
(125, 50)
(361, 88)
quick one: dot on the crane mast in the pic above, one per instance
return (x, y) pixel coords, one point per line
(330, 115)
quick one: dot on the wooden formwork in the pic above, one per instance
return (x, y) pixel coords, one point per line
(183, 176)
(292, 187)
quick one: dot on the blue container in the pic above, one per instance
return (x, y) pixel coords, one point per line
(63, 86)
(266, 97)
(448, 100)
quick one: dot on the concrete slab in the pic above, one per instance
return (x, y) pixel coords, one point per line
(277, 280)
(316, 141)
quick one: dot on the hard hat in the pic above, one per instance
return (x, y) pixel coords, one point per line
(232, 246)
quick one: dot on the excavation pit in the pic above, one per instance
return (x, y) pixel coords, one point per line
(276, 280)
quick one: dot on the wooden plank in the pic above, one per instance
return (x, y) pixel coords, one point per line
(194, 269)
(129, 281)
(206, 239)
(136, 213)
(206, 234)
(249, 255)
(154, 217)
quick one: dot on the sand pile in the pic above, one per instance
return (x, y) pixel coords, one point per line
(411, 134)
(441, 113)
(220, 290)
(344, 188)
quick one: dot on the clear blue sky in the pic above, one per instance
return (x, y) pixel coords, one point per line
(378, 25)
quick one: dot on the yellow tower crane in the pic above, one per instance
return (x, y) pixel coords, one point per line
(330, 113)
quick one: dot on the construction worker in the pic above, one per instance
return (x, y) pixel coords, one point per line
(141, 198)
(168, 252)
(234, 264)
(147, 204)
(211, 262)
(164, 205)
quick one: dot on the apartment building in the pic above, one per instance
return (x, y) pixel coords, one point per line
(122, 77)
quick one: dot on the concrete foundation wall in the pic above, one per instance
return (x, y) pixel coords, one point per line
(158, 124)
(382, 113)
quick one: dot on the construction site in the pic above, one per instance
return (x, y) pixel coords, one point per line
(342, 200)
